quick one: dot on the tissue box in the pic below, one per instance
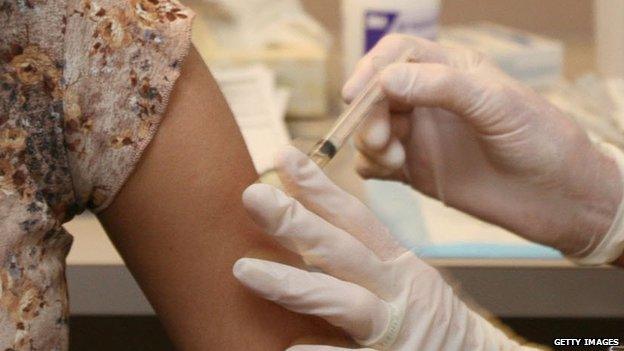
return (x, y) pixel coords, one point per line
(532, 59)
(303, 69)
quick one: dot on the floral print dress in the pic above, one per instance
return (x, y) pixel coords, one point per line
(83, 86)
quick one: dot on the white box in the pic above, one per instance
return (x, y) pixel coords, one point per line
(530, 58)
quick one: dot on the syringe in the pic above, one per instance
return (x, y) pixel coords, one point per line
(347, 123)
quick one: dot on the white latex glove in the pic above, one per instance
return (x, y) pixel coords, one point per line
(377, 291)
(457, 128)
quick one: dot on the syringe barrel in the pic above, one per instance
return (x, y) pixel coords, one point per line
(355, 114)
(357, 111)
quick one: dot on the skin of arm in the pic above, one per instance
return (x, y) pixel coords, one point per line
(180, 225)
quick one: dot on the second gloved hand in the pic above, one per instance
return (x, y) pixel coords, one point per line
(456, 127)
(376, 290)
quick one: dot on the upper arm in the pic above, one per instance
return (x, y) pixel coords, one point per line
(179, 224)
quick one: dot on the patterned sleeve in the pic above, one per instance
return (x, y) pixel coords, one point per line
(83, 86)
(122, 59)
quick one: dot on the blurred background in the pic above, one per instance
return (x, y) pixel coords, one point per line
(281, 65)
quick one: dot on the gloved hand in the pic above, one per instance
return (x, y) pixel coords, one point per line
(376, 290)
(457, 128)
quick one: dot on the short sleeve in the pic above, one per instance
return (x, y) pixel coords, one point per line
(122, 58)
(83, 87)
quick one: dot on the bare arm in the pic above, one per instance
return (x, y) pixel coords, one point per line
(179, 225)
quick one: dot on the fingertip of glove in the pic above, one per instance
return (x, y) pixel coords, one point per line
(256, 194)
(376, 138)
(303, 348)
(253, 273)
(295, 169)
(240, 268)
(270, 208)
(246, 267)
(395, 155)
(348, 91)
(262, 277)
(265, 203)
(289, 159)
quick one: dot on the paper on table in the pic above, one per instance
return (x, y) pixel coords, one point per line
(259, 109)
